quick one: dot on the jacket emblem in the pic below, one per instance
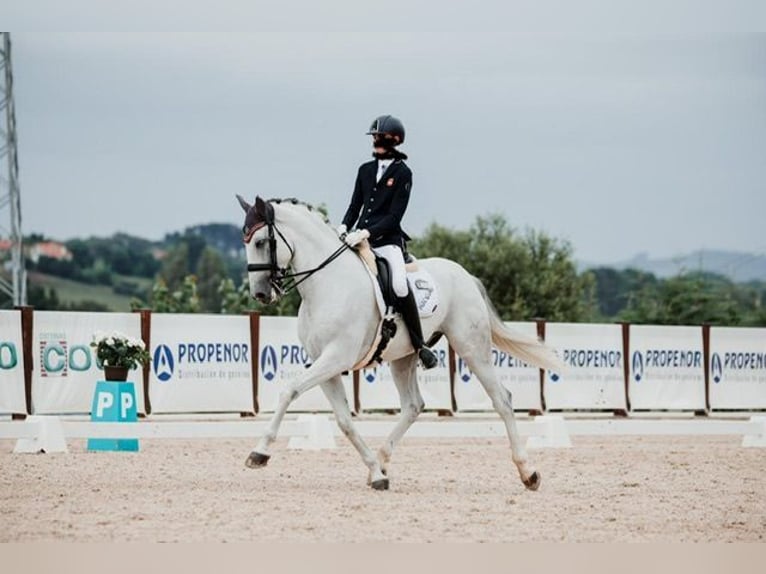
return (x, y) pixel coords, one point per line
(390, 182)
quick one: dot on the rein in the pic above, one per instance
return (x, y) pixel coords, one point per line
(279, 274)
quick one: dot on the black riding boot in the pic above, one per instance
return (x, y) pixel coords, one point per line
(409, 310)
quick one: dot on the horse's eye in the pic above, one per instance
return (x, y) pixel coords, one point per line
(260, 243)
(244, 230)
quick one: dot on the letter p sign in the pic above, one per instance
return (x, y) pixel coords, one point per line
(113, 402)
(104, 402)
(126, 404)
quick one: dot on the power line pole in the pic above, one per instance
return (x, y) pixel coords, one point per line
(9, 181)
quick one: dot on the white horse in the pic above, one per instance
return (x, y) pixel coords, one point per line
(339, 316)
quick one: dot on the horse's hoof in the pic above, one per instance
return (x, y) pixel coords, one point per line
(533, 482)
(381, 484)
(257, 460)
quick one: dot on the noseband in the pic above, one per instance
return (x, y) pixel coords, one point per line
(279, 274)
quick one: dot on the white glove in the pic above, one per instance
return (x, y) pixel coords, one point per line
(356, 237)
(341, 231)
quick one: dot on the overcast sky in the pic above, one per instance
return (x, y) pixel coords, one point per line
(619, 129)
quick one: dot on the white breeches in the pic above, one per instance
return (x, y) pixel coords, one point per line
(393, 254)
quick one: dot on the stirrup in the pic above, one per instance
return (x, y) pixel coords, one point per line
(427, 358)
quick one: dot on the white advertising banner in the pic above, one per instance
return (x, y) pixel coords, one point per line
(377, 390)
(283, 359)
(65, 369)
(595, 375)
(666, 368)
(521, 379)
(737, 368)
(200, 364)
(12, 399)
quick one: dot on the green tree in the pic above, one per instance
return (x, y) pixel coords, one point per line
(100, 273)
(235, 300)
(195, 245)
(43, 299)
(120, 253)
(689, 299)
(614, 288)
(82, 256)
(529, 276)
(210, 272)
(175, 267)
(181, 300)
(750, 298)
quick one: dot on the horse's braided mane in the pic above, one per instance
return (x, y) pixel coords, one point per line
(295, 201)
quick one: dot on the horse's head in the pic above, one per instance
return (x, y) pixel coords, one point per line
(268, 253)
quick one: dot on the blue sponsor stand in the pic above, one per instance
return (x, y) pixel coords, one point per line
(113, 402)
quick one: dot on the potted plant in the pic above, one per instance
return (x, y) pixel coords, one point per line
(119, 354)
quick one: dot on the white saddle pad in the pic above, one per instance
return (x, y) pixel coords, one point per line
(426, 293)
(423, 287)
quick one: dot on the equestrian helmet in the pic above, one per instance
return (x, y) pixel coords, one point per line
(389, 127)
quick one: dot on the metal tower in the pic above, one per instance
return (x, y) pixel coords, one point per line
(10, 197)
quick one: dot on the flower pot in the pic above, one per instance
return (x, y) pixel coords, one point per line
(115, 373)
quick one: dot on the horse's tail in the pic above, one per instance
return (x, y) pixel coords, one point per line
(531, 350)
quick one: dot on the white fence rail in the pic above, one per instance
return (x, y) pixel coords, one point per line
(49, 433)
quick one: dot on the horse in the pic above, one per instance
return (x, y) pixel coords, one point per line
(287, 241)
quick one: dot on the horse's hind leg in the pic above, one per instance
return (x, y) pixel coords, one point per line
(336, 394)
(501, 400)
(405, 376)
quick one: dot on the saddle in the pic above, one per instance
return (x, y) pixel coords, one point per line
(383, 272)
(420, 282)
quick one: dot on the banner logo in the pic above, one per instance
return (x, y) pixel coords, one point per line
(8, 355)
(163, 363)
(269, 363)
(463, 371)
(638, 366)
(716, 368)
(58, 358)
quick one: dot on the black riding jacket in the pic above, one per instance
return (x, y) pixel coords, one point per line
(379, 207)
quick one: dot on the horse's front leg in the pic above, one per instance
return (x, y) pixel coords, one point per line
(324, 368)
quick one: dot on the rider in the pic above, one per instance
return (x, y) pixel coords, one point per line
(380, 198)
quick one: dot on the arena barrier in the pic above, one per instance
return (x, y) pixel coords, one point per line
(49, 434)
(240, 364)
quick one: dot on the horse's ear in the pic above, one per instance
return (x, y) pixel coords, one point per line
(260, 206)
(264, 209)
(245, 205)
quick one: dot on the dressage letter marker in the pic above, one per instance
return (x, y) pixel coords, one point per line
(113, 402)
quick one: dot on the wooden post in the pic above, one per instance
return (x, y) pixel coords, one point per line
(146, 336)
(541, 335)
(452, 372)
(255, 342)
(625, 368)
(706, 359)
(27, 324)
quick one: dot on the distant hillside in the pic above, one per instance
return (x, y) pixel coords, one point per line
(224, 237)
(71, 292)
(738, 266)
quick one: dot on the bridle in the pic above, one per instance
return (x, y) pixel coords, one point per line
(277, 274)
